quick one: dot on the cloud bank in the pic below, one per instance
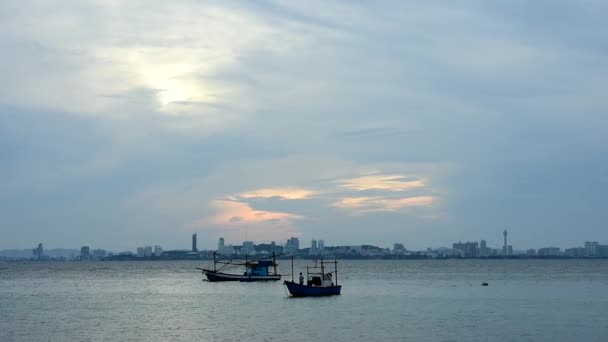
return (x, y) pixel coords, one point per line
(124, 124)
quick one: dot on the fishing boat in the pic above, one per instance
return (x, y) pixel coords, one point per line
(255, 270)
(318, 282)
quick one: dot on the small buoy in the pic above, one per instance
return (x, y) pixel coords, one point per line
(484, 284)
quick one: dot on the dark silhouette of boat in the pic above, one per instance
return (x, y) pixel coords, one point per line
(318, 283)
(255, 270)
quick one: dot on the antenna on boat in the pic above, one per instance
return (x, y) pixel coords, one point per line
(274, 263)
(292, 268)
(214, 263)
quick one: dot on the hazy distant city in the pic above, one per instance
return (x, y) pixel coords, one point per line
(316, 249)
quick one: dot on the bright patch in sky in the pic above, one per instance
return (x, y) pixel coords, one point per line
(130, 123)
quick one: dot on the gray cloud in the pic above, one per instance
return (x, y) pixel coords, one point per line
(125, 130)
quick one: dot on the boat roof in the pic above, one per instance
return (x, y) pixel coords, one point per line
(261, 263)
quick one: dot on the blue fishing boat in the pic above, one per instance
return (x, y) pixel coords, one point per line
(255, 270)
(318, 282)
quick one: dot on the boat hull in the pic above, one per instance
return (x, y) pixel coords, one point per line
(219, 276)
(298, 290)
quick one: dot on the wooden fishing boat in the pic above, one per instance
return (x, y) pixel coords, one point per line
(318, 282)
(255, 270)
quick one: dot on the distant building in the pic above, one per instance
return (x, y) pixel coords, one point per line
(228, 250)
(38, 252)
(140, 252)
(531, 252)
(602, 251)
(147, 251)
(321, 247)
(292, 245)
(273, 246)
(466, 249)
(194, 248)
(248, 247)
(85, 253)
(398, 247)
(505, 250)
(220, 245)
(222, 248)
(576, 252)
(591, 248)
(483, 249)
(549, 251)
(98, 253)
(313, 248)
(509, 250)
(158, 251)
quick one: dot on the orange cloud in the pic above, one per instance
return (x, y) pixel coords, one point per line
(285, 193)
(369, 204)
(237, 220)
(381, 182)
(232, 212)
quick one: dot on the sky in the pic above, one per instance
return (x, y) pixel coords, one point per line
(125, 124)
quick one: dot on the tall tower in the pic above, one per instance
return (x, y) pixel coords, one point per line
(220, 245)
(194, 249)
(504, 248)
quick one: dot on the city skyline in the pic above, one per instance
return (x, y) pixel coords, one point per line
(379, 122)
(468, 248)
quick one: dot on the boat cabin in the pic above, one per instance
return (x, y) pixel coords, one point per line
(258, 268)
(314, 279)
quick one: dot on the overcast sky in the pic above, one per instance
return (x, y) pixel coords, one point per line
(130, 123)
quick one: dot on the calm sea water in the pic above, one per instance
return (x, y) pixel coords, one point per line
(544, 300)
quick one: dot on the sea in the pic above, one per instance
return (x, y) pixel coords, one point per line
(382, 300)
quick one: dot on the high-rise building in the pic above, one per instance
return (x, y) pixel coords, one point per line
(220, 245)
(158, 251)
(602, 250)
(591, 248)
(292, 245)
(194, 249)
(321, 247)
(509, 250)
(313, 247)
(147, 251)
(466, 249)
(140, 252)
(85, 253)
(505, 249)
(222, 248)
(483, 249)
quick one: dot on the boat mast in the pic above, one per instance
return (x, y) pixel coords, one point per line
(322, 271)
(292, 268)
(214, 263)
(274, 263)
(336, 265)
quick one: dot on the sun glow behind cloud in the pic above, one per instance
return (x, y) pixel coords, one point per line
(238, 218)
(284, 193)
(373, 204)
(381, 182)
(231, 212)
